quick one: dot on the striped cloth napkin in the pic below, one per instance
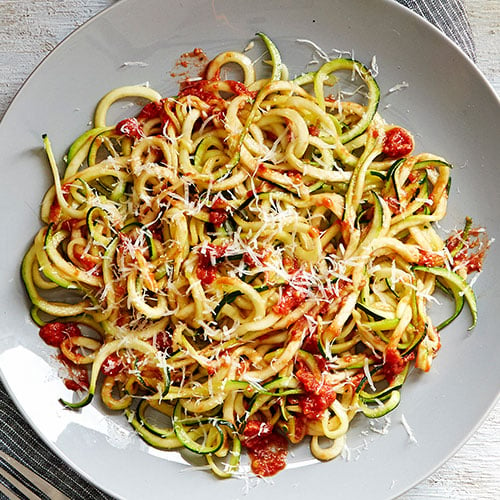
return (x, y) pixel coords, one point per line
(19, 441)
(450, 17)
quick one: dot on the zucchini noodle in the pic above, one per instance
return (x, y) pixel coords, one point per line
(246, 260)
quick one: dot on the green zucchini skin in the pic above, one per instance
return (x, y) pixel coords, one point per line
(459, 288)
(373, 89)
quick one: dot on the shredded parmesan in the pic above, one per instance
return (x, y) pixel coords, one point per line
(398, 86)
(140, 64)
(408, 429)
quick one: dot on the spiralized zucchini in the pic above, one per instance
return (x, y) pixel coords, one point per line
(255, 251)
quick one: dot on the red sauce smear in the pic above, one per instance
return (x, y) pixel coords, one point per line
(163, 342)
(266, 448)
(55, 333)
(472, 254)
(256, 257)
(112, 365)
(326, 202)
(130, 127)
(190, 65)
(218, 212)
(313, 130)
(201, 90)
(356, 379)
(430, 259)
(55, 208)
(217, 217)
(397, 143)
(295, 176)
(78, 379)
(87, 263)
(55, 211)
(291, 264)
(70, 224)
(152, 110)
(240, 89)
(206, 270)
(299, 431)
(290, 299)
(310, 343)
(262, 169)
(394, 204)
(319, 394)
(394, 363)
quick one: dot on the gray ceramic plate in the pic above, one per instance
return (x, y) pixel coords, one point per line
(447, 103)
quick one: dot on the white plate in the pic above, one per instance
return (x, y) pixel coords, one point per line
(449, 106)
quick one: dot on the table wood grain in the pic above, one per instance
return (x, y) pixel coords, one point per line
(30, 29)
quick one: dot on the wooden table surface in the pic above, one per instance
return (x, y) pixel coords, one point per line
(29, 29)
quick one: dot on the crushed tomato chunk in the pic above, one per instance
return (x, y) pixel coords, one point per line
(266, 447)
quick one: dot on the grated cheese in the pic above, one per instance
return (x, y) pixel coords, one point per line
(366, 369)
(398, 86)
(408, 429)
(321, 53)
(140, 64)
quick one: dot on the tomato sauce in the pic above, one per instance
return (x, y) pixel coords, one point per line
(475, 262)
(55, 333)
(473, 252)
(130, 127)
(55, 208)
(217, 216)
(87, 263)
(199, 89)
(291, 264)
(240, 89)
(394, 363)
(319, 394)
(152, 110)
(397, 143)
(356, 379)
(299, 429)
(190, 65)
(206, 271)
(295, 176)
(394, 205)
(327, 202)
(290, 299)
(314, 405)
(310, 343)
(163, 342)
(250, 260)
(266, 448)
(112, 365)
(55, 211)
(314, 232)
(219, 203)
(77, 385)
(256, 257)
(78, 376)
(70, 224)
(313, 130)
(430, 259)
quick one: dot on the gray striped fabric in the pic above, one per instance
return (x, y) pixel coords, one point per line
(450, 17)
(16, 436)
